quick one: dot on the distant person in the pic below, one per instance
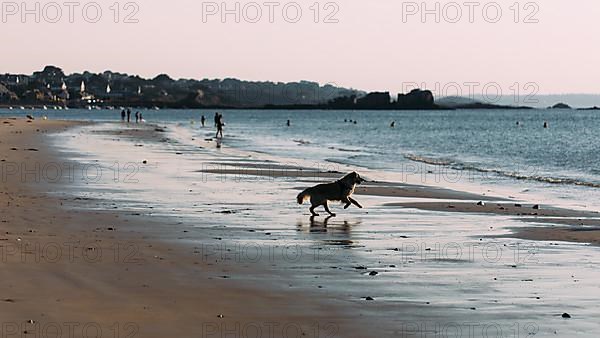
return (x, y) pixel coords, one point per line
(355, 122)
(123, 115)
(216, 119)
(128, 115)
(220, 125)
(289, 123)
(545, 124)
(202, 120)
(518, 123)
(141, 118)
(393, 124)
(137, 117)
(345, 120)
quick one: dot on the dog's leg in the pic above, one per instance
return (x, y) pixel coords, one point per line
(345, 200)
(312, 210)
(327, 209)
(347, 203)
(355, 202)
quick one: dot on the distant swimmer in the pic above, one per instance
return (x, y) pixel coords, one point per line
(393, 124)
(546, 124)
(345, 120)
(289, 123)
(355, 122)
(518, 123)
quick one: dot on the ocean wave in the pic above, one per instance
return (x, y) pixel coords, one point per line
(345, 150)
(502, 173)
(340, 161)
(549, 179)
(302, 142)
(428, 160)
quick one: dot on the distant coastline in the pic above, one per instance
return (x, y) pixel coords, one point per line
(51, 88)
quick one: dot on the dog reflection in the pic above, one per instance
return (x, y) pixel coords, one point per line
(314, 223)
(323, 226)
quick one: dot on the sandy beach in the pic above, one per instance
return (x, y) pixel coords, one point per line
(68, 267)
(207, 260)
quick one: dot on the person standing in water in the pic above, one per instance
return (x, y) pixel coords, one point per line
(220, 125)
(216, 119)
(393, 124)
(289, 123)
(202, 120)
(128, 115)
(137, 117)
(123, 115)
(141, 118)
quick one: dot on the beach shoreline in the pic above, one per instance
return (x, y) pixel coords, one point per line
(189, 274)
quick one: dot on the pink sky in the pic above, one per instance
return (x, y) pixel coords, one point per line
(369, 48)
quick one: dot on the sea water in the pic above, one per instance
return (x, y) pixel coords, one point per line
(495, 148)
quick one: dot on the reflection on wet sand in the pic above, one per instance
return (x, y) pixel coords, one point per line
(328, 225)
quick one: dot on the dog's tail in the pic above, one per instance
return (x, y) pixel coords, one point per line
(303, 196)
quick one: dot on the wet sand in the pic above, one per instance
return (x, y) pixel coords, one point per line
(510, 209)
(310, 175)
(454, 201)
(575, 234)
(583, 226)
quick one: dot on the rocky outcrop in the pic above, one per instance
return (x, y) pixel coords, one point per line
(560, 106)
(375, 100)
(416, 99)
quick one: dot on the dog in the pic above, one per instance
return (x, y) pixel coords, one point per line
(340, 190)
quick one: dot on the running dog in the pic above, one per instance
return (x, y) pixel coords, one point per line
(340, 190)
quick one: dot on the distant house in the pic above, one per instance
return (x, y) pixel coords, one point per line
(84, 95)
(59, 91)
